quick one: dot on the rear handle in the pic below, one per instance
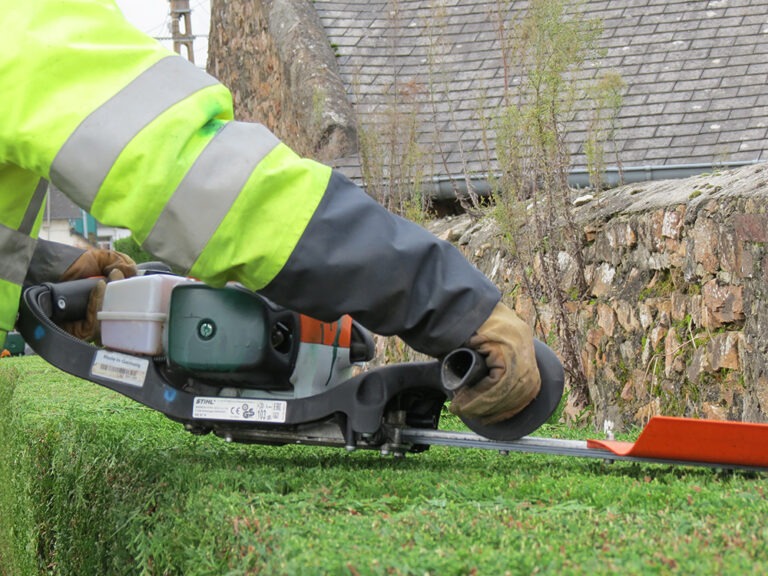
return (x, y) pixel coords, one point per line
(69, 300)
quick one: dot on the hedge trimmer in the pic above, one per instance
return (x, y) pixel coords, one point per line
(228, 361)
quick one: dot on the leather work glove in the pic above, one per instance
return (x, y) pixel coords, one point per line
(99, 262)
(513, 379)
(96, 262)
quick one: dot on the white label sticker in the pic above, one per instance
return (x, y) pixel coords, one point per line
(240, 409)
(120, 367)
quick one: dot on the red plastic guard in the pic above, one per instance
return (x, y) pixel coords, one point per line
(691, 440)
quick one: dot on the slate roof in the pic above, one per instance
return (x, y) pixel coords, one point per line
(60, 207)
(696, 74)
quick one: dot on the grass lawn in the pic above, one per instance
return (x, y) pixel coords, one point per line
(93, 484)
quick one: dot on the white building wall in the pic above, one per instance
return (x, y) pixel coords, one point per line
(59, 231)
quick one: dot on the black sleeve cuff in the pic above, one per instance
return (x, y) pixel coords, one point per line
(49, 261)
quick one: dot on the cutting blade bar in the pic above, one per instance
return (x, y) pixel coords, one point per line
(540, 445)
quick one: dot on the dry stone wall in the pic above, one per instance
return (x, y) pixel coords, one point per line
(676, 319)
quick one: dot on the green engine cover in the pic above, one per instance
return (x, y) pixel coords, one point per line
(230, 334)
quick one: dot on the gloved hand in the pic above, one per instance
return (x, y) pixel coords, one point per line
(96, 262)
(99, 262)
(513, 379)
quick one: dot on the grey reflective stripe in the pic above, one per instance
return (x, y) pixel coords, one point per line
(15, 253)
(207, 192)
(34, 207)
(87, 156)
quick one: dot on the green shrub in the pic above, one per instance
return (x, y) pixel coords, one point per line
(94, 484)
(130, 247)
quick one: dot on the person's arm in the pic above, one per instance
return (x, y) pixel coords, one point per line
(390, 274)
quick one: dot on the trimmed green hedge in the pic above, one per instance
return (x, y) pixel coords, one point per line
(93, 484)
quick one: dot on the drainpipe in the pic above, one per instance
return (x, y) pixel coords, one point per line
(85, 224)
(446, 188)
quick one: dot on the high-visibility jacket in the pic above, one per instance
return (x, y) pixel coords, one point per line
(142, 139)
